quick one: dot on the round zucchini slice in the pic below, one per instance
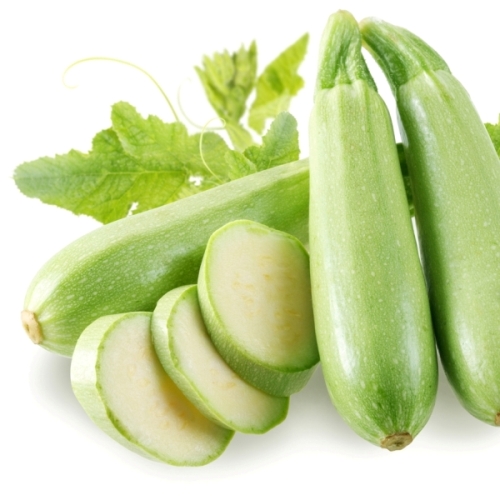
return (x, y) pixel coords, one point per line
(122, 386)
(190, 358)
(255, 297)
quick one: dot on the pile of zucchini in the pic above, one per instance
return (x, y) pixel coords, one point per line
(378, 308)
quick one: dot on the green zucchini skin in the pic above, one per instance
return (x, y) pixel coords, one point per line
(370, 303)
(129, 264)
(455, 175)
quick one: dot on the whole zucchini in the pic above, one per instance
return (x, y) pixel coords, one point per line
(455, 174)
(371, 310)
(129, 264)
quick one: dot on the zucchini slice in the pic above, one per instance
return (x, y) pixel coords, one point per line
(255, 295)
(122, 386)
(190, 358)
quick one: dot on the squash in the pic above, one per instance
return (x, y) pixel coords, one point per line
(455, 175)
(130, 264)
(371, 310)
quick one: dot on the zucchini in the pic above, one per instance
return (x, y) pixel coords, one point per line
(455, 174)
(119, 381)
(190, 358)
(371, 310)
(255, 296)
(129, 264)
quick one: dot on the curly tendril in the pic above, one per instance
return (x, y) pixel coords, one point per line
(126, 63)
(186, 116)
(204, 130)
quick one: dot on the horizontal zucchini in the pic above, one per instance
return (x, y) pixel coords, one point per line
(371, 310)
(129, 264)
(455, 175)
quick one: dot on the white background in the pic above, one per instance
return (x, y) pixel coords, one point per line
(48, 445)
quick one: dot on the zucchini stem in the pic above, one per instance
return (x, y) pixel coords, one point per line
(32, 326)
(399, 53)
(340, 59)
(396, 441)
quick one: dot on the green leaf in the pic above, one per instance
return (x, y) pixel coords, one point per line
(239, 165)
(137, 165)
(168, 146)
(277, 85)
(103, 184)
(240, 137)
(228, 80)
(494, 131)
(280, 145)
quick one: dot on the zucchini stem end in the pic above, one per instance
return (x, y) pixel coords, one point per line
(396, 441)
(32, 326)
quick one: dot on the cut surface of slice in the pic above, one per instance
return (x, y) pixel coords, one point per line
(190, 358)
(119, 381)
(255, 296)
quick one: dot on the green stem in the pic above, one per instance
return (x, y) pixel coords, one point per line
(341, 61)
(401, 54)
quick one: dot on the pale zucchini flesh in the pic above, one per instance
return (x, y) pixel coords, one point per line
(371, 310)
(119, 381)
(129, 264)
(255, 296)
(189, 356)
(455, 176)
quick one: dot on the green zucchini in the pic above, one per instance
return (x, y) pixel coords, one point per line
(119, 381)
(455, 174)
(371, 309)
(129, 264)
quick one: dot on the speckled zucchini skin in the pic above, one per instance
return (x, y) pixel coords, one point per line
(129, 264)
(370, 303)
(455, 175)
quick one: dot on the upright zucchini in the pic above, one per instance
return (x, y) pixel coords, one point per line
(370, 304)
(455, 174)
(129, 264)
